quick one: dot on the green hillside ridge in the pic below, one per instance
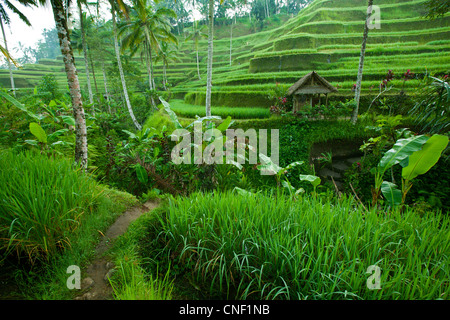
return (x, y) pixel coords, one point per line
(325, 37)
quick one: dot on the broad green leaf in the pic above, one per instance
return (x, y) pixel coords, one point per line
(293, 164)
(38, 132)
(32, 142)
(52, 104)
(242, 192)
(287, 185)
(225, 124)
(423, 160)
(268, 165)
(19, 105)
(400, 151)
(141, 174)
(57, 133)
(68, 120)
(131, 134)
(35, 90)
(173, 117)
(391, 193)
(315, 181)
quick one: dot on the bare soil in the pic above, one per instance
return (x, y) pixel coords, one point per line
(96, 285)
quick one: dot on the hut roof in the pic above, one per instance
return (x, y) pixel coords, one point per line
(312, 83)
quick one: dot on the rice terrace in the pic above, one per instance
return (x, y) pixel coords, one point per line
(225, 150)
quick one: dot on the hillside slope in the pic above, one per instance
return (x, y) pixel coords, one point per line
(326, 37)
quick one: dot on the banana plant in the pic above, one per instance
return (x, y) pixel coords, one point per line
(399, 152)
(414, 163)
(45, 141)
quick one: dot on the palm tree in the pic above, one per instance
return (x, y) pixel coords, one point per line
(4, 17)
(148, 25)
(60, 13)
(210, 57)
(114, 4)
(196, 34)
(361, 64)
(82, 18)
(166, 54)
(79, 42)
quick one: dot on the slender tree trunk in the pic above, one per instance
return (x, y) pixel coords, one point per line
(361, 65)
(81, 146)
(86, 61)
(106, 86)
(7, 59)
(164, 75)
(93, 73)
(122, 77)
(210, 58)
(198, 66)
(150, 82)
(147, 35)
(231, 40)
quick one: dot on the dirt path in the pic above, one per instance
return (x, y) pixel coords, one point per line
(96, 285)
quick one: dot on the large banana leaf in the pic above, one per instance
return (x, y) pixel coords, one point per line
(402, 149)
(173, 117)
(38, 132)
(423, 160)
(391, 193)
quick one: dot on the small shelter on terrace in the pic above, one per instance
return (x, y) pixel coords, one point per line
(308, 90)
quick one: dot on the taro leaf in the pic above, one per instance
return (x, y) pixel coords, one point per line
(38, 132)
(391, 193)
(315, 181)
(141, 174)
(287, 185)
(400, 151)
(421, 161)
(173, 117)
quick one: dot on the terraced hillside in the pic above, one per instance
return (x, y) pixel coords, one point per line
(326, 37)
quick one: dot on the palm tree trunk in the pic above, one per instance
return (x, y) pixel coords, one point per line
(231, 40)
(86, 61)
(7, 59)
(210, 58)
(150, 82)
(122, 77)
(198, 67)
(164, 75)
(147, 35)
(361, 65)
(93, 73)
(106, 86)
(81, 147)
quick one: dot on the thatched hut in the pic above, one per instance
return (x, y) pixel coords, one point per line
(308, 90)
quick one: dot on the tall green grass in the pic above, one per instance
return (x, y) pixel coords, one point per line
(42, 201)
(261, 247)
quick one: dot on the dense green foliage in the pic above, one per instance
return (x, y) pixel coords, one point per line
(265, 247)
